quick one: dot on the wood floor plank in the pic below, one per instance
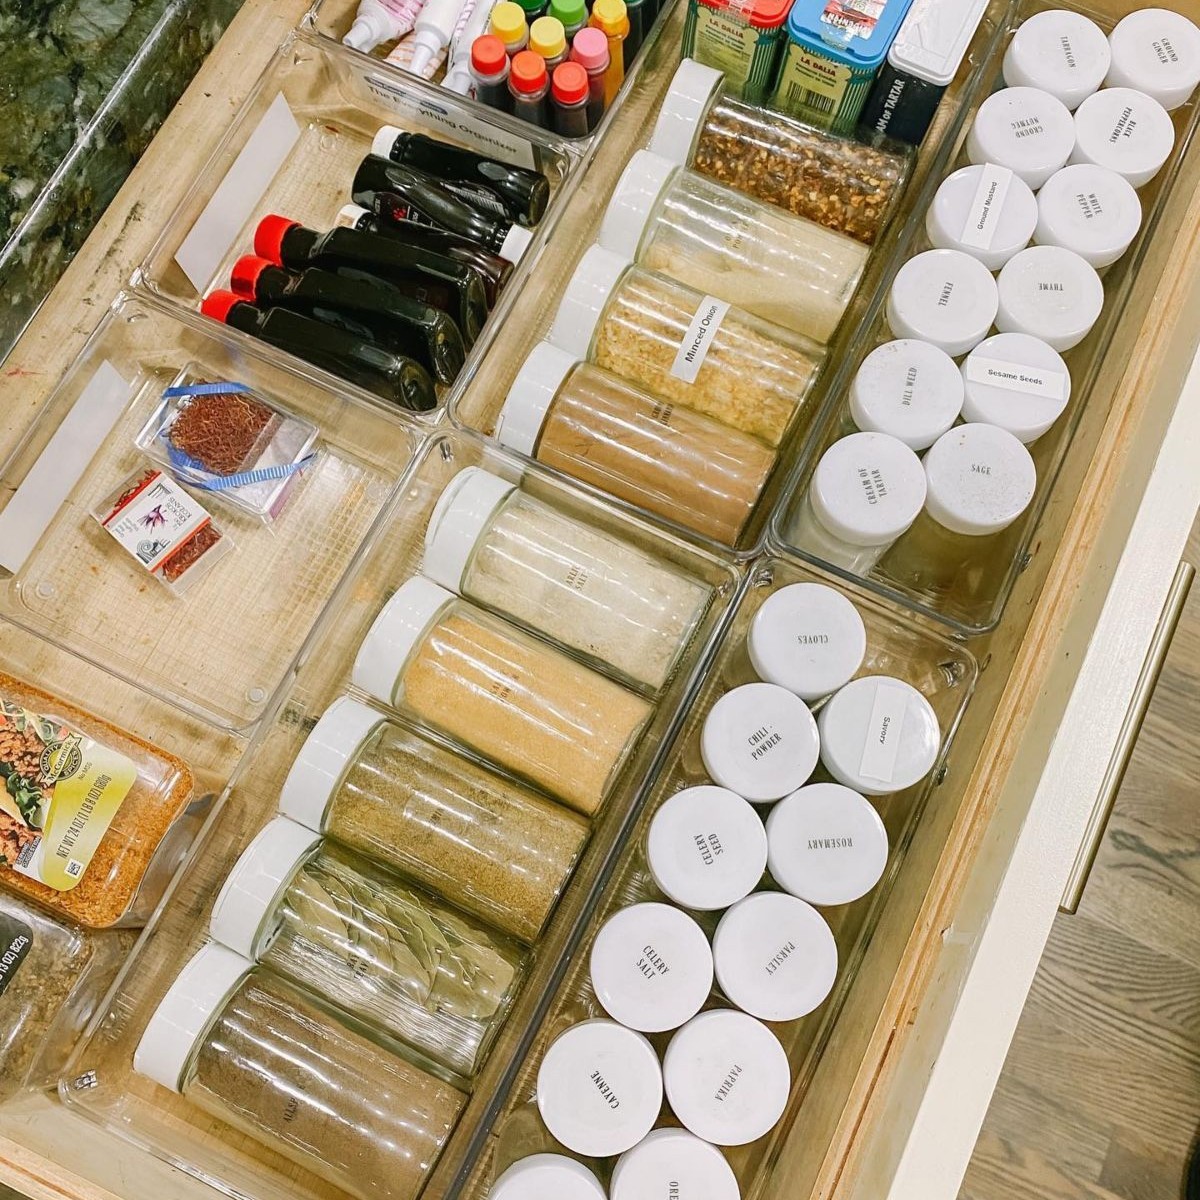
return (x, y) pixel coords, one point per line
(1009, 1169)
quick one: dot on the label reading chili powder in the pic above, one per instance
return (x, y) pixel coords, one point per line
(16, 940)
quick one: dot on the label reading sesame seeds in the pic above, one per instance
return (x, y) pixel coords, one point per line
(699, 337)
(983, 216)
(884, 731)
(1030, 381)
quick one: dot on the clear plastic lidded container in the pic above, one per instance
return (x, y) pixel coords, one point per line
(396, 958)
(591, 592)
(490, 687)
(252, 1050)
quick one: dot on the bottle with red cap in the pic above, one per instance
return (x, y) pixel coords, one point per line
(590, 51)
(489, 72)
(371, 309)
(569, 100)
(423, 274)
(392, 376)
(529, 84)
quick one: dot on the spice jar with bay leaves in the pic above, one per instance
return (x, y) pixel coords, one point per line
(401, 962)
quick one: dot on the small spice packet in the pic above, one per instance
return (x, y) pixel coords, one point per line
(169, 532)
(227, 438)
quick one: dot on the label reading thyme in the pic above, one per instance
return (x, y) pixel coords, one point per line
(61, 792)
(16, 939)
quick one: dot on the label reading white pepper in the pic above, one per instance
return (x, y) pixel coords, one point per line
(702, 331)
(1030, 381)
(983, 217)
(884, 732)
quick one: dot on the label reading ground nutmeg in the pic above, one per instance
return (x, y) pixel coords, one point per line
(701, 333)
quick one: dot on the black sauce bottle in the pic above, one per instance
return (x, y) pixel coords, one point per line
(392, 376)
(422, 274)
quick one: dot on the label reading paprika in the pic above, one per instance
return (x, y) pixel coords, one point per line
(61, 792)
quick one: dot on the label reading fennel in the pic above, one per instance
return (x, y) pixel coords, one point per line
(983, 216)
(693, 349)
(62, 790)
(884, 731)
(1017, 377)
(16, 940)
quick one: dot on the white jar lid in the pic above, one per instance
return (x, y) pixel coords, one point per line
(1126, 131)
(775, 956)
(395, 634)
(727, 1077)
(826, 844)
(908, 389)
(981, 479)
(1061, 52)
(644, 179)
(547, 1177)
(1156, 51)
(692, 89)
(321, 764)
(519, 425)
(583, 303)
(879, 735)
(945, 297)
(1017, 382)
(244, 911)
(185, 1014)
(672, 1164)
(1090, 210)
(1051, 293)
(868, 488)
(462, 515)
(1023, 128)
(808, 638)
(599, 1088)
(706, 848)
(651, 967)
(986, 211)
(759, 741)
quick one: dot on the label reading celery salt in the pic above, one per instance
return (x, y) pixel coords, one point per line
(699, 336)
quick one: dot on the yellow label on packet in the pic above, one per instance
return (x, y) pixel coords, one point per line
(60, 793)
(726, 43)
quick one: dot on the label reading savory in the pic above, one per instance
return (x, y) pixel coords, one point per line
(884, 730)
(16, 940)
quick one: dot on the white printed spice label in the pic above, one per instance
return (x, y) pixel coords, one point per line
(701, 333)
(884, 732)
(983, 216)
(1014, 377)
(61, 792)
(153, 519)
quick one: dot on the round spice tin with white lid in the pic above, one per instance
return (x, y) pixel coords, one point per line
(634, 201)
(1126, 131)
(760, 741)
(672, 1164)
(775, 956)
(727, 1077)
(519, 425)
(599, 1088)
(461, 516)
(1090, 210)
(585, 299)
(908, 389)
(826, 844)
(1050, 293)
(1016, 382)
(651, 967)
(985, 211)
(808, 638)
(1024, 129)
(1061, 52)
(945, 297)
(547, 1177)
(879, 735)
(706, 848)
(1156, 51)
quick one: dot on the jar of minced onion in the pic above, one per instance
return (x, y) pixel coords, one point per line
(490, 687)
(784, 268)
(844, 184)
(593, 593)
(684, 346)
(487, 844)
(667, 459)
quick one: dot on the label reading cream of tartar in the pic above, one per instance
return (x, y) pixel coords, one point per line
(1030, 381)
(689, 358)
(884, 731)
(983, 216)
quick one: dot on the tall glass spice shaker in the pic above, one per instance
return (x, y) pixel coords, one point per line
(488, 845)
(687, 347)
(396, 958)
(589, 591)
(846, 185)
(489, 686)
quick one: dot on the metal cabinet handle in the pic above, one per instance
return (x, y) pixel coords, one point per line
(1131, 727)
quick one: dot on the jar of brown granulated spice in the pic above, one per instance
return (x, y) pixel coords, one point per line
(839, 182)
(86, 810)
(490, 687)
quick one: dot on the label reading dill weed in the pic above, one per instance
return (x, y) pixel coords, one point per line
(62, 790)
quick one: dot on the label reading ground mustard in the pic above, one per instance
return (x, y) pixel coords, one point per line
(61, 791)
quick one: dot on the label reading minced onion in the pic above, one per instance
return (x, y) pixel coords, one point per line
(882, 743)
(1030, 381)
(983, 217)
(699, 336)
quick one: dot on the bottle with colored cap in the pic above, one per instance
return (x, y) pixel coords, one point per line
(489, 72)
(371, 309)
(533, 9)
(425, 275)
(474, 26)
(394, 377)
(547, 38)
(640, 14)
(590, 51)
(572, 13)
(508, 24)
(530, 85)
(612, 19)
(569, 100)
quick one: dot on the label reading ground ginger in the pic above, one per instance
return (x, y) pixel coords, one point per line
(61, 792)
(16, 940)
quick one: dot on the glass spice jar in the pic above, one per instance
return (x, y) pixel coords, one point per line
(520, 703)
(846, 185)
(394, 957)
(488, 845)
(667, 459)
(252, 1050)
(589, 591)
(693, 349)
